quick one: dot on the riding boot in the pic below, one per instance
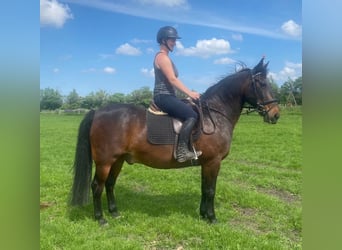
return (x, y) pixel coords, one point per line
(183, 153)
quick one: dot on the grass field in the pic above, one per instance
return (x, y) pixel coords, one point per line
(258, 198)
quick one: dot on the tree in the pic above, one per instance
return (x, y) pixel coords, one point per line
(291, 91)
(298, 87)
(117, 98)
(142, 96)
(95, 100)
(50, 99)
(72, 101)
(275, 88)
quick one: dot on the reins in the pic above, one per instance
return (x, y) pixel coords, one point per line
(206, 106)
(203, 105)
(199, 107)
(260, 108)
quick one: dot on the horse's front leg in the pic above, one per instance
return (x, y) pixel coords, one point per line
(209, 177)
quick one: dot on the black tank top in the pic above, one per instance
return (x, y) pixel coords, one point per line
(161, 83)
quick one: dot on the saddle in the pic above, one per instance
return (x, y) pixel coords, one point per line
(163, 129)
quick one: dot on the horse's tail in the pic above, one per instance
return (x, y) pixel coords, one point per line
(83, 163)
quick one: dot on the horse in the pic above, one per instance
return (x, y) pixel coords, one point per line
(117, 133)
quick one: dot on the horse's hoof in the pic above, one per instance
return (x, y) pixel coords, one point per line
(103, 222)
(203, 215)
(207, 218)
(115, 214)
(213, 221)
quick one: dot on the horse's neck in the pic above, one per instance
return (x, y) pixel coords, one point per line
(229, 110)
(228, 96)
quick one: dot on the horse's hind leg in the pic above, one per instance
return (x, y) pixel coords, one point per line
(110, 183)
(97, 186)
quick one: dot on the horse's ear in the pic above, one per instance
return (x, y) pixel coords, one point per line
(261, 63)
(259, 67)
(265, 66)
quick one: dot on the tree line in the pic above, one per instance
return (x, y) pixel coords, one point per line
(290, 93)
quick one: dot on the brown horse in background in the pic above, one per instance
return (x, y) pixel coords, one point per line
(117, 133)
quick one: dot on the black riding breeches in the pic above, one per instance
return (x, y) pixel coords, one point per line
(174, 107)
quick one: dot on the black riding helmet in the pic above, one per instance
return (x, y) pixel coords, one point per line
(165, 33)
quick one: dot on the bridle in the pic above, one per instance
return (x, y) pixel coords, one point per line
(260, 106)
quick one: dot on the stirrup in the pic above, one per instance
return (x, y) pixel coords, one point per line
(184, 154)
(196, 153)
(186, 157)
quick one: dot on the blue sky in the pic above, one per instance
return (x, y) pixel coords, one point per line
(91, 45)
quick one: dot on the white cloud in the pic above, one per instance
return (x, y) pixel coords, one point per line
(109, 70)
(67, 57)
(150, 51)
(136, 40)
(127, 49)
(291, 28)
(90, 70)
(53, 13)
(106, 56)
(55, 70)
(205, 48)
(291, 70)
(147, 72)
(237, 37)
(168, 3)
(224, 60)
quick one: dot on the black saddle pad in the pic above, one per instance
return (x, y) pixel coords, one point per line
(160, 129)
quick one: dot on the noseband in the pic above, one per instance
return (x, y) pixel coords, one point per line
(260, 106)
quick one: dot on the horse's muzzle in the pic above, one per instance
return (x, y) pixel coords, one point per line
(272, 115)
(271, 119)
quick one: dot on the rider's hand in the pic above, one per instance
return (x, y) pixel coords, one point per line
(194, 95)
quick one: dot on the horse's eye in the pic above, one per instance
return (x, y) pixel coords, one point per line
(263, 84)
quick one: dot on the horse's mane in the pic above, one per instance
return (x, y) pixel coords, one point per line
(226, 84)
(230, 83)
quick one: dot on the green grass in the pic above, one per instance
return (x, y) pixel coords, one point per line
(258, 197)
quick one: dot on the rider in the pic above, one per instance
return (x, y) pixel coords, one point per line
(164, 95)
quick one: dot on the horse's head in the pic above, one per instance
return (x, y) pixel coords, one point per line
(260, 94)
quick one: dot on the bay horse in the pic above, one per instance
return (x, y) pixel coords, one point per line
(117, 133)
